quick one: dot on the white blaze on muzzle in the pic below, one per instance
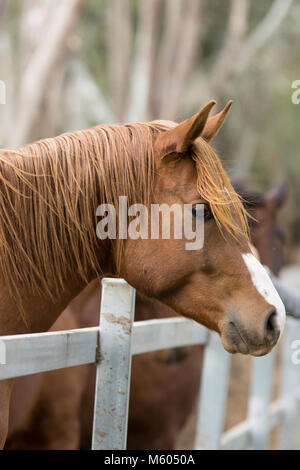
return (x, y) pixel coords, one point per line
(265, 287)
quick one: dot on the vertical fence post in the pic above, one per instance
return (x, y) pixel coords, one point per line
(289, 386)
(113, 367)
(259, 400)
(213, 394)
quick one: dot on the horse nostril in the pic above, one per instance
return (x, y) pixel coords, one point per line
(272, 330)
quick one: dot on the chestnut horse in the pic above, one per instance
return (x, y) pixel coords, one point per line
(49, 251)
(45, 409)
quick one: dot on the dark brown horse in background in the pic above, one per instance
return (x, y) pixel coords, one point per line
(266, 233)
(45, 411)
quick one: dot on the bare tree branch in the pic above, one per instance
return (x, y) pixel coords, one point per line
(139, 108)
(167, 51)
(245, 151)
(239, 56)
(7, 75)
(44, 59)
(187, 49)
(3, 6)
(35, 15)
(119, 45)
(90, 107)
(50, 122)
(263, 32)
(223, 68)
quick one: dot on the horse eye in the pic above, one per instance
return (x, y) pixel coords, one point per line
(208, 215)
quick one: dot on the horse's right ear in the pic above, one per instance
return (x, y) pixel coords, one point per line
(214, 123)
(181, 137)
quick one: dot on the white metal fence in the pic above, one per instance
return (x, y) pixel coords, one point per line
(111, 346)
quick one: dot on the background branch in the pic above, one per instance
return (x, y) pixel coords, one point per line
(263, 32)
(119, 34)
(167, 52)
(188, 46)
(143, 69)
(44, 59)
(223, 69)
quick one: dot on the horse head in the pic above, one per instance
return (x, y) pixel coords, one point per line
(222, 285)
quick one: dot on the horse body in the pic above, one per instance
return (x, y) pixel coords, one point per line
(49, 194)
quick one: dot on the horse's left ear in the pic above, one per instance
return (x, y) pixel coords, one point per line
(180, 138)
(214, 123)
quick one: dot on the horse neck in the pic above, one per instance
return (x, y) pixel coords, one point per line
(95, 172)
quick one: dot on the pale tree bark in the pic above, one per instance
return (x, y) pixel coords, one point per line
(223, 69)
(187, 48)
(35, 15)
(3, 5)
(7, 76)
(245, 151)
(263, 32)
(50, 121)
(240, 55)
(119, 50)
(144, 63)
(90, 106)
(167, 51)
(43, 60)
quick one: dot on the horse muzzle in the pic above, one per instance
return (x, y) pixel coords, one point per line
(257, 340)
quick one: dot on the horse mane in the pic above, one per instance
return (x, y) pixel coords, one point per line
(50, 190)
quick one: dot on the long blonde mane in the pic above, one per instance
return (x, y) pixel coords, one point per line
(49, 192)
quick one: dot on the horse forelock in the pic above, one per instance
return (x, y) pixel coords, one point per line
(214, 186)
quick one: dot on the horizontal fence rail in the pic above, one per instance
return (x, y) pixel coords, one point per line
(153, 335)
(41, 352)
(111, 345)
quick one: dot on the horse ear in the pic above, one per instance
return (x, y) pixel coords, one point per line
(277, 196)
(214, 123)
(180, 138)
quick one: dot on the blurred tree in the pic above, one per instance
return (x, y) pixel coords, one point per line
(43, 30)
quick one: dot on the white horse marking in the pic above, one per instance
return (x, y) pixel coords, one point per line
(265, 287)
